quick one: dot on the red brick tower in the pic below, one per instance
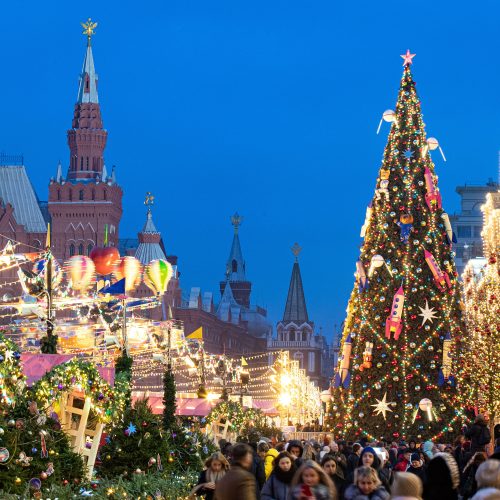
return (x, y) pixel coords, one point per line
(88, 200)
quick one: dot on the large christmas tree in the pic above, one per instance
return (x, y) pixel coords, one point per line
(395, 376)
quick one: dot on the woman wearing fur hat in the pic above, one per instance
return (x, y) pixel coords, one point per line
(443, 478)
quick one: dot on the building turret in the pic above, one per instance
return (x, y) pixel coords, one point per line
(235, 269)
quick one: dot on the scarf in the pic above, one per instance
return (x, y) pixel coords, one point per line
(285, 477)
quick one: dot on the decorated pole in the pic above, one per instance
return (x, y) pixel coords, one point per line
(49, 342)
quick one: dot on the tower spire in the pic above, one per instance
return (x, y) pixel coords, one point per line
(235, 266)
(87, 137)
(295, 308)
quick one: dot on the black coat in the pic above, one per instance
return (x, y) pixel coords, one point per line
(479, 436)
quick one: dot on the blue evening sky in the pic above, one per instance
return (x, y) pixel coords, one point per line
(266, 107)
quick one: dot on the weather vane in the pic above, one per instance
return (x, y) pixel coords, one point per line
(296, 249)
(236, 221)
(88, 29)
(149, 200)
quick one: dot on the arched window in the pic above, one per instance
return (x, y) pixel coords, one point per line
(298, 356)
(89, 249)
(80, 249)
(81, 163)
(71, 250)
(234, 266)
(58, 195)
(105, 195)
(93, 194)
(70, 195)
(291, 335)
(80, 195)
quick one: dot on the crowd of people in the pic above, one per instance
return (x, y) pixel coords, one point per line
(327, 470)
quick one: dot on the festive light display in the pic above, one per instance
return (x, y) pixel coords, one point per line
(391, 359)
(480, 356)
(83, 377)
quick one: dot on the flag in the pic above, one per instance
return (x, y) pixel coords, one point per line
(243, 361)
(197, 334)
(117, 288)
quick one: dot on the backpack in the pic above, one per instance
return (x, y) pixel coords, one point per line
(484, 436)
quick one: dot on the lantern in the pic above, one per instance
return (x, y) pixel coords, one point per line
(81, 270)
(157, 274)
(129, 268)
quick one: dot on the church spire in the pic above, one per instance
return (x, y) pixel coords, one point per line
(295, 308)
(235, 266)
(87, 137)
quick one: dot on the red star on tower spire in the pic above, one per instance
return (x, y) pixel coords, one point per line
(407, 58)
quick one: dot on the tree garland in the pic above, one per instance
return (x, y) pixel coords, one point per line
(82, 376)
(238, 416)
(12, 381)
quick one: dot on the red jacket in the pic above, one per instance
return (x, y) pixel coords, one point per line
(402, 465)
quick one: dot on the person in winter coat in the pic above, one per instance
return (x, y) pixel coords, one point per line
(406, 486)
(333, 469)
(216, 467)
(269, 459)
(369, 458)
(417, 467)
(353, 461)
(339, 456)
(296, 449)
(459, 453)
(487, 494)
(442, 479)
(366, 486)
(277, 487)
(427, 448)
(403, 461)
(238, 482)
(468, 485)
(479, 434)
(311, 482)
(488, 475)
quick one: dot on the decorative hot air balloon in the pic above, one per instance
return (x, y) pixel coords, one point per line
(40, 268)
(129, 268)
(157, 274)
(81, 270)
(104, 258)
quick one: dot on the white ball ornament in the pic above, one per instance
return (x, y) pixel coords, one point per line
(425, 404)
(433, 143)
(389, 115)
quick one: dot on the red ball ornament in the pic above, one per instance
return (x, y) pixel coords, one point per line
(65, 482)
(43, 475)
(104, 258)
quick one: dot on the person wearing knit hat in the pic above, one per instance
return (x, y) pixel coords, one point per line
(417, 467)
(487, 494)
(488, 474)
(406, 486)
(443, 478)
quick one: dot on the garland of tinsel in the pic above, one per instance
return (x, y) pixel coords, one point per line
(82, 376)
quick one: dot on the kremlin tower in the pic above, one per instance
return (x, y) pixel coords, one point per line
(87, 204)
